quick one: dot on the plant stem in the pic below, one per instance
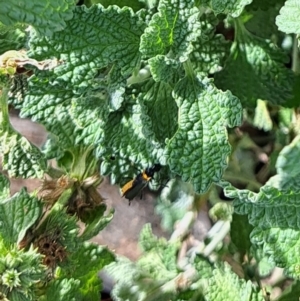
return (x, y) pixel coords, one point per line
(4, 110)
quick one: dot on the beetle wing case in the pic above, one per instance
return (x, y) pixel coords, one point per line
(131, 189)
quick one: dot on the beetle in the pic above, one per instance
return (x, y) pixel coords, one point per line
(132, 188)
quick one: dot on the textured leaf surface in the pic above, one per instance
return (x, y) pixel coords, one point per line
(175, 200)
(153, 275)
(268, 208)
(157, 101)
(93, 228)
(62, 290)
(262, 118)
(20, 157)
(46, 16)
(74, 100)
(210, 49)
(17, 214)
(4, 188)
(110, 36)
(240, 230)
(288, 19)
(280, 245)
(199, 149)
(87, 262)
(262, 21)
(164, 69)
(49, 104)
(261, 72)
(130, 136)
(225, 285)
(288, 173)
(12, 37)
(274, 212)
(231, 7)
(173, 27)
(89, 114)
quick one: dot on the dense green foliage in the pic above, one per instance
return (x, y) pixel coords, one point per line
(120, 88)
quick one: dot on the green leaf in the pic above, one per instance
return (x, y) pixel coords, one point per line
(294, 101)
(12, 37)
(203, 266)
(262, 73)
(210, 49)
(49, 103)
(281, 246)
(157, 102)
(19, 157)
(225, 285)
(98, 223)
(199, 149)
(175, 200)
(148, 241)
(4, 188)
(18, 214)
(231, 7)
(129, 136)
(90, 115)
(172, 29)
(287, 161)
(164, 69)
(20, 272)
(273, 214)
(265, 267)
(46, 17)
(288, 174)
(62, 290)
(261, 21)
(240, 233)
(288, 19)
(87, 262)
(112, 36)
(159, 256)
(262, 118)
(268, 208)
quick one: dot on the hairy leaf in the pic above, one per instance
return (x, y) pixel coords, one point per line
(21, 270)
(20, 157)
(111, 36)
(129, 135)
(63, 289)
(17, 214)
(199, 149)
(230, 7)
(157, 102)
(12, 37)
(87, 262)
(94, 227)
(288, 174)
(268, 208)
(225, 285)
(255, 70)
(172, 28)
(288, 19)
(46, 16)
(4, 188)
